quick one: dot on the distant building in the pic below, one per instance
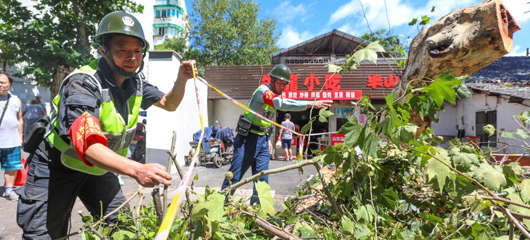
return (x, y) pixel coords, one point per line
(168, 19)
(500, 91)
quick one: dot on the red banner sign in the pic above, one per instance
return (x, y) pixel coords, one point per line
(337, 138)
(310, 95)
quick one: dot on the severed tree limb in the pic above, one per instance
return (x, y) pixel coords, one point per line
(513, 220)
(271, 228)
(507, 201)
(168, 169)
(493, 199)
(516, 214)
(158, 205)
(91, 228)
(284, 169)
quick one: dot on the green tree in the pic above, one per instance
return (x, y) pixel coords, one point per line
(54, 39)
(388, 41)
(228, 32)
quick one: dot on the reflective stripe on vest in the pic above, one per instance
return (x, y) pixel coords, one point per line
(119, 135)
(265, 111)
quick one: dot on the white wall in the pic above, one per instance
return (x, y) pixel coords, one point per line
(447, 124)
(226, 112)
(467, 107)
(184, 121)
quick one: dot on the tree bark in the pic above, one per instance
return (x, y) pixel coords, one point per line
(58, 76)
(463, 42)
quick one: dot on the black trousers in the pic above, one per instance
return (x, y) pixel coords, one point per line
(47, 198)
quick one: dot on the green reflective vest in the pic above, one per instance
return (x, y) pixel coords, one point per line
(118, 134)
(264, 110)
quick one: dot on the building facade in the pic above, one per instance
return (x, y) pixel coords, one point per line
(168, 19)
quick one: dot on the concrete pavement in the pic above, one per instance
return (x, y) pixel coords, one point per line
(282, 185)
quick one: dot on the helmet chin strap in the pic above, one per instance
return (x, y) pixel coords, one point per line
(122, 73)
(273, 86)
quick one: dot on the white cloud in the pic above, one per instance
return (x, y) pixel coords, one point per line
(291, 37)
(517, 51)
(286, 12)
(348, 28)
(345, 11)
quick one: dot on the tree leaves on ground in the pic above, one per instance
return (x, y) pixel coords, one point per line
(265, 198)
(492, 177)
(435, 169)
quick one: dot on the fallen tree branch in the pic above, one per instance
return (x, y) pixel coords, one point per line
(284, 169)
(507, 201)
(91, 228)
(271, 228)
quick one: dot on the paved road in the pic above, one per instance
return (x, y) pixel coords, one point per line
(282, 185)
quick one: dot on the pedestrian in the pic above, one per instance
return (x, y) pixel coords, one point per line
(32, 113)
(11, 135)
(287, 137)
(43, 105)
(95, 115)
(251, 148)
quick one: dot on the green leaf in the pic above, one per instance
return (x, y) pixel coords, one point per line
(123, 235)
(407, 235)
(413, 22)
(369, 52)
(352, 130)
(523, 133)
(323, 115)
(404, 134)
(463, 91)
(347, 227)
(390, 198)
(433, 7)
(265, 199)
(306, 127)
(437, 169)
(332, 155)
(507, 135)
(489, 129)
(442, 89)
(362, 231)
(332, 68)
(425, 20)
(492, 176)
(365, 212)
(525, 190)
(465, 160)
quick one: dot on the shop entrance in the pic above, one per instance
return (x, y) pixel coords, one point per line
(300, 119)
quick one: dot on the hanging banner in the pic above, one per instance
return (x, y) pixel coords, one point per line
(337, 138)
(334, 95)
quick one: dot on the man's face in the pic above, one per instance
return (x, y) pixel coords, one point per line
(126, 52)
(279, 86)
(4, 85)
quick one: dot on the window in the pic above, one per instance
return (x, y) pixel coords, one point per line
(482, 119)
(161, 31)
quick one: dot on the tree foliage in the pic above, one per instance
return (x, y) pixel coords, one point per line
(228, 32)
(386, 39)
(56, 35)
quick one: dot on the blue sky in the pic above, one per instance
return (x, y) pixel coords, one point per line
(301, 20)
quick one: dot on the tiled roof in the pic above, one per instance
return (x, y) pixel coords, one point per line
(508, 76)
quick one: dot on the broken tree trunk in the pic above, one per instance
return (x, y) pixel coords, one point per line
(463, 42)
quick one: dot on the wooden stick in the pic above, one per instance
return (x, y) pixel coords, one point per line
(271, 228)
